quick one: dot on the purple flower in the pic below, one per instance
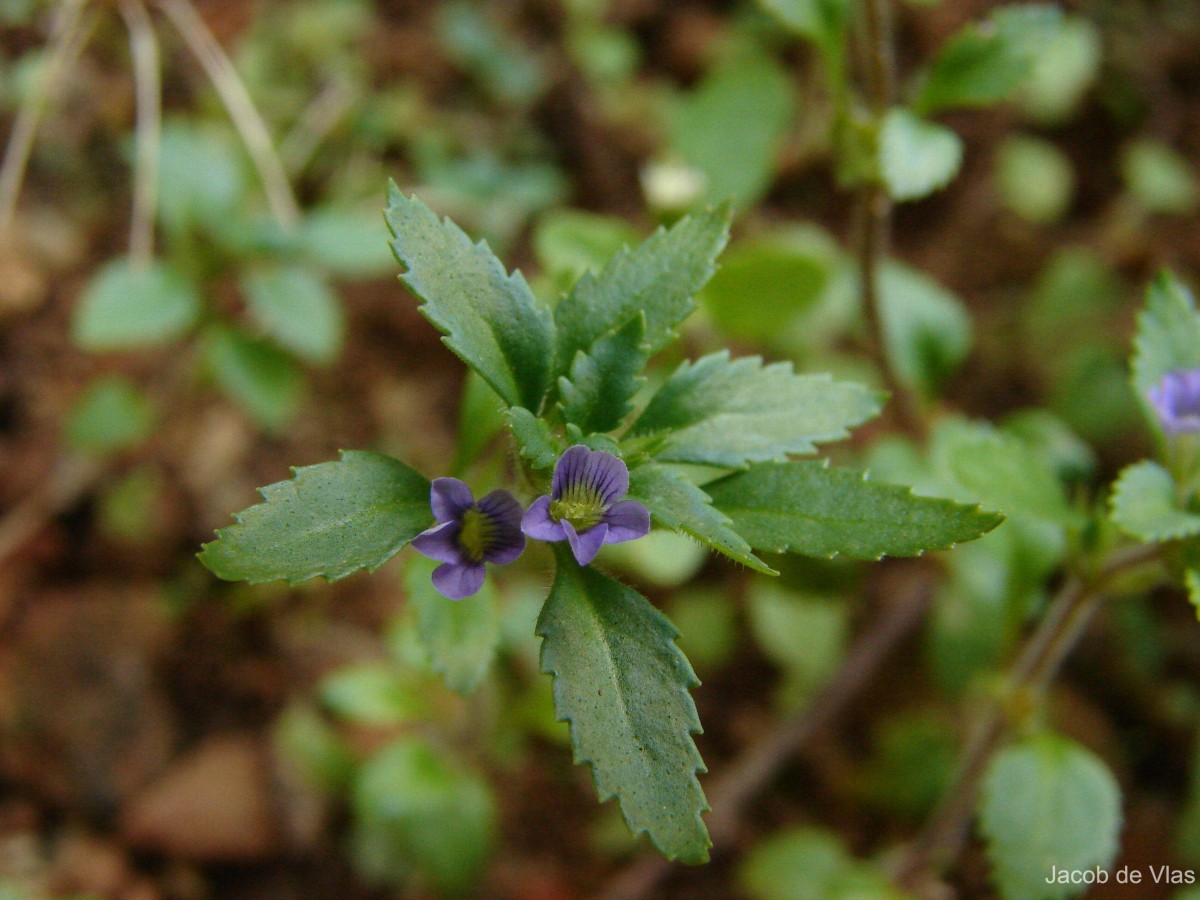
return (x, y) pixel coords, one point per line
(468, 534)
(1176, 399)
(584, 507)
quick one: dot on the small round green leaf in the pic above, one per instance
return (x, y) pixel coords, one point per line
(128, 306)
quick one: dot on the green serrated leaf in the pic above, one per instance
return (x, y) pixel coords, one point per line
(986, 62)
(677, 504)
(535, 441)
(1047, 803)
(418, 811)
(110, 415)
(490, 318)
(330, 519)
(260, 377)
(459, 636)
(1145, 504)
(658, 278)
(596, 395)
(724, 412)
(128, 306)
(346, 243)
(731, 126)
(1007, 474)
(1168, 337)
(814, 510)
(298, 309)
(916, 157)
(808, 863)
(622, 684)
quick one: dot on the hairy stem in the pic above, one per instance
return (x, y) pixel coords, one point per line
(246, 119)
(64, 43)
(753, 771)
(942, 839)
(143, 48)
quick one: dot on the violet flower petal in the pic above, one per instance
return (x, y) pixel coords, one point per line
(458, 581)
(570, 469)
(441, 543)
(627, 520)
(449, 498)
(1176, 401)
(538, 524)
(503, 509)
(585, 546)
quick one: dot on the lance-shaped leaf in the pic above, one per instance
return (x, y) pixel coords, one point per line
(490, 318)
(331, 519)
(814, 510)
(724, 412)
(658, 278)
(1145, 504)
(1168, 337)
(596, 395)
(677, 504)
(622, 684)
(534, 439)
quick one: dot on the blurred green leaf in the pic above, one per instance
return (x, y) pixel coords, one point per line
(297, 308)
(1191, 579)
(623, 685)
(126, 306)
(1159, 179)
(912, 764)
(1063, 72)
(128, 506)
(112, 414)
(821, 21)
(261, 378)
(371, 693)
(330, 520)
(779, 617)
(731, 126)
(1168, 338)
(480, 417)
(459, 636)
(677, 504)
(200, 177)
(724, 412)
(809, 863)
(926, 330)
(570, 242)
(1035, 179)
(986, 62)
(346, 243)
(706, 619)
(1146, 504)
(1050, 437)
(491, 320)
(814, 510)
(916, 157)
(765, 282)
(501, 65)
(1047, 803)
(1009, 476)
(420, 813)
(658, 278)
(312, 747)
(595, 394)
(663, 559)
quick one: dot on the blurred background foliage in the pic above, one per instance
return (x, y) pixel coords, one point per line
(165, 735)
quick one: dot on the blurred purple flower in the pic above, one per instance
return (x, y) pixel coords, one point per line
(585, 507)
(1176, 399)
(468, 534)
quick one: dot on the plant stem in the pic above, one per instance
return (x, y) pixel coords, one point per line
(63, 44)
(941, 840)
(143, 48)
(874, 213)
(757, 766)
(246, 119)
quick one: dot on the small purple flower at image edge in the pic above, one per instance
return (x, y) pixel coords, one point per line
(469, 534)
(584, 506)
(1176, 400)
